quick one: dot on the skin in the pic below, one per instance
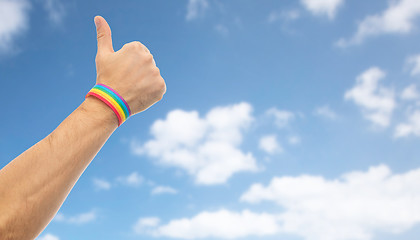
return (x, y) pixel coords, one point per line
(35, 184)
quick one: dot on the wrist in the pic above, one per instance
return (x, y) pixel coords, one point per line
(100, 112)
(111, 98)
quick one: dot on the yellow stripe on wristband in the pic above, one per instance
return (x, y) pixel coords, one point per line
(110, 99)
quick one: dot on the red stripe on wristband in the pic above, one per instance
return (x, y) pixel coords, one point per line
(107, 103)
(126, 104)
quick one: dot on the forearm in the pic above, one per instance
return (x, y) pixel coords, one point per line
(35, 184)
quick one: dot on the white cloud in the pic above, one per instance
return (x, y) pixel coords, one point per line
(101, 184)
(206, 148)
(133, 180)
(326, 111)
(355, 206)
(412, 127)
(13, 21)
(48, 236)
(413, 62)
(322, 7)
(352, 207)
(146, 225)
(377, 102)
(196, 8)
(82, 218)
(398, 18)
(77, 219)
(56, 10)
(269, 144)
(163, 190)
(219, 224)
(410, 93)
(282, 117)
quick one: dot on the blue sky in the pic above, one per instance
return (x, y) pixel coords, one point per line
(281, 120)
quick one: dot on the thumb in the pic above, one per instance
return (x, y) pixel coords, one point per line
(104, 35)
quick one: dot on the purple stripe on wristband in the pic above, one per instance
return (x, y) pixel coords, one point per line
(129, 110)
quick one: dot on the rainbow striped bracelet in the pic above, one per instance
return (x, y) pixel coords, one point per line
(113, 100)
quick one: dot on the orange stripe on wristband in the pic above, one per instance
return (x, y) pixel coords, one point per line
(112, 101)
(111, 98)
(107, 103)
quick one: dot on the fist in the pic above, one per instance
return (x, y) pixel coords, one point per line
(131, 71)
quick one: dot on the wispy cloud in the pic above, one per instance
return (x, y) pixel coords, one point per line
(410, 93)
(294, 140)
(377, 102)
(134, 179)
(77, 219)
(286, 15)
(270, 145)
(146, 225)
(223, 224)
(323, 7)
(56, 10)
(48, 236)
(326, 112)
(410, 127)
(196, 8)
(399, 18)
(13, 21)
(101, 184)
(205, 147)
(282, 118)
(413, 63)
(221, 29)
(163, 190)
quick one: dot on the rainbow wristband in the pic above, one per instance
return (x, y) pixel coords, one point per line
(113, 100)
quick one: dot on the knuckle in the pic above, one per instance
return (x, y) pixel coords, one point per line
(137, 45)
(148, 58)
(125, 46)
(164, 89)
(160, 95)
(156, 71)
(162, 85)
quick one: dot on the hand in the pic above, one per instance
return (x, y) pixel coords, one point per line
(131, 71)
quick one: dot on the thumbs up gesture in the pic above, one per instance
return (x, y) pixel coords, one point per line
(131, 71)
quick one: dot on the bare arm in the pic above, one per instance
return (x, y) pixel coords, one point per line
(35, 184)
